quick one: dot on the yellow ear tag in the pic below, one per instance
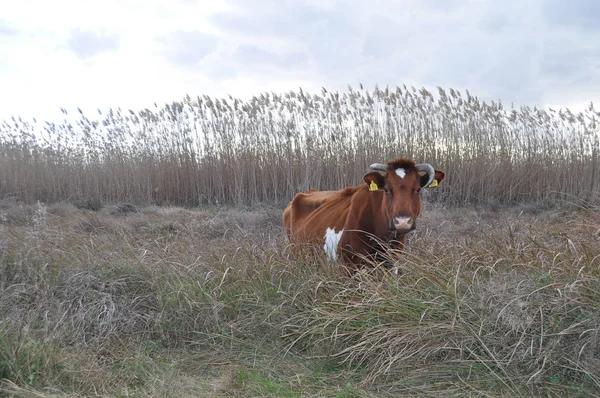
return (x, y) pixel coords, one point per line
(433, 184)
(373, 186)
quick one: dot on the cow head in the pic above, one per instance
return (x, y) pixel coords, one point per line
(397, 191)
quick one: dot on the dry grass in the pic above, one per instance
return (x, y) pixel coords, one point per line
(156, 301)
(226, 151)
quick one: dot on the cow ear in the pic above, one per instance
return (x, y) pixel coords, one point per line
(439, 176)
(374, 181)
(437, 179)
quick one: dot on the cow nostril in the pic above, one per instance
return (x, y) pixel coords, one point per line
(403, 223)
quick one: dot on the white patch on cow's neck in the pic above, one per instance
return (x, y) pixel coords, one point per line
(331, 243)
(401, 172)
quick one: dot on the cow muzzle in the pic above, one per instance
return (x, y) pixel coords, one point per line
(402, 223)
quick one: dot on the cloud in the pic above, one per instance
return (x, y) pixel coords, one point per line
(530, 53)
(316, 38)
(256, 57)
(270, 17)
(520, 52)
(218, 71)
(563, 58)
(87, 44)
(581, 14)
(444, 5)
(188, 48)
(6, 29)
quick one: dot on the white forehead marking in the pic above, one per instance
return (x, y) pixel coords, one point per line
(401, 172)
(331, 242)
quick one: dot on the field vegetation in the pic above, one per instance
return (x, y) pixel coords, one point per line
(142, 254)
(164, 301)
(224, 151)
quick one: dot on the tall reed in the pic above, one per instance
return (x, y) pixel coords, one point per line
(206, 150)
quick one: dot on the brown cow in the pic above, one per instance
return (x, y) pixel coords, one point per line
(351, 224)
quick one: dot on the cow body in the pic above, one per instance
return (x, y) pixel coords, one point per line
(352, 225)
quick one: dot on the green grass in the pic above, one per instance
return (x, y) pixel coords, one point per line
(176, 302)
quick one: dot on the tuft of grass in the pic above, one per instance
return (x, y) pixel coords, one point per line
(254, 382)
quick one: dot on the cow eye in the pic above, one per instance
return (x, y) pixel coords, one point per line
(418, 190)
(386, 190)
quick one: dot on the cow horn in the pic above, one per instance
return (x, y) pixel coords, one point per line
(378, 167)
(427, 168)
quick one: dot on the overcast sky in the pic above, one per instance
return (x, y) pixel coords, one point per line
(132, 53)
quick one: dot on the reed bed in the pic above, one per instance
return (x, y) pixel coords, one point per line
(206, 150)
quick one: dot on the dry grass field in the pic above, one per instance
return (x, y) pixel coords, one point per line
(167, 301)
(142, 253)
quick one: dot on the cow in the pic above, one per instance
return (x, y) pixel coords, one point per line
(355, 224)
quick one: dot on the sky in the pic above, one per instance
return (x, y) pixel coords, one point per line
(133, 53)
